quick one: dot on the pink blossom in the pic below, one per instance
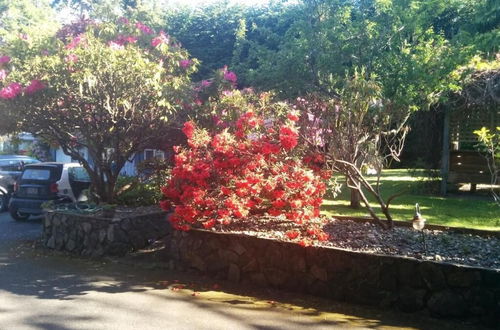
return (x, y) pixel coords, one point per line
(23, 36)
(185, 63)
(34, 86)
(123, 20)
(45, 52)
(230, 76)
(3, 74)
(131, 39)
(4, 59)
(217, 121)
(162, 38)
(11, 91)
(206, 83)
(122, 40)
(75, 42)
(71, 58)
(144, 28)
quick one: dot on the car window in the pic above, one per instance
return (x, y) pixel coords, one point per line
(10, 165)
(14, 165)
(78, 174)
(40, 174)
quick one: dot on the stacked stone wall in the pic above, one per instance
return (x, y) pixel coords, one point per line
(407, 284)
(94, 236)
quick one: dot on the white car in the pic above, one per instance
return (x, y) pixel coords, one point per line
(43, 182)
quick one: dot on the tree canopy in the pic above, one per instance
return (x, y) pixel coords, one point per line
(109, 88)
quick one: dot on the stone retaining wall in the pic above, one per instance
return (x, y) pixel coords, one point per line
(405, 283)
(93, 236)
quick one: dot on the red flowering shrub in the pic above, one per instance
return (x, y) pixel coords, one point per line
(243, 167)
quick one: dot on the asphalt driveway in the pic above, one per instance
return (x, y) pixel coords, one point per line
(40, 289)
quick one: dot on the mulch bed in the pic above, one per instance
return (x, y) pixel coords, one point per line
(442, 245)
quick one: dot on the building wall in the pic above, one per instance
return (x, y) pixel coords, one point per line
(129, 169)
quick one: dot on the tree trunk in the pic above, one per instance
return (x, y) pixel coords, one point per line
(355, 199)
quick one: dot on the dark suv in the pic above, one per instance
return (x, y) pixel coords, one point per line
(44, 182)
(11, 167)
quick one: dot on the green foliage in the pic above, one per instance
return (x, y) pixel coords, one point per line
(144, 189)
(490, 141)
(208, 32)
(26, 17)
(490, 145)
(395, 40)
(137, 194)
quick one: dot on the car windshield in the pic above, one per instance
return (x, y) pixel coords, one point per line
(39, 174)
(78, 174)
(13, 165)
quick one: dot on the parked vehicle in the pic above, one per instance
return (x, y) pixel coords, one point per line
(11, 167)
(43, 182)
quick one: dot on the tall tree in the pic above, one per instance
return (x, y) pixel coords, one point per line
(109, 88)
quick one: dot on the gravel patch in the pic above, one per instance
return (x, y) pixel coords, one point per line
(441, 245)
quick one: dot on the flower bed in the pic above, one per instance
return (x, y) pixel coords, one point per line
(96, 236)
(406, 283)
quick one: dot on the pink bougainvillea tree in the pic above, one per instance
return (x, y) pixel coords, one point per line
(109, 88)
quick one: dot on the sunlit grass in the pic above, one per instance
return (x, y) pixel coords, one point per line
(469, 211)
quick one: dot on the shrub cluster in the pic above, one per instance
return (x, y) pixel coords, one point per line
(243, 166)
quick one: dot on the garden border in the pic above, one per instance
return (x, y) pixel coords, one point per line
(97, 236)
(404, 283)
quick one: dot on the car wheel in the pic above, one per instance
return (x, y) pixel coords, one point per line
(18, 216)
(3, 202)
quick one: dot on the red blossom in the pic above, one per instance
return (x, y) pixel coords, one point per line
(188, 129)
(292, 234)
(293, 117)
(165, 205)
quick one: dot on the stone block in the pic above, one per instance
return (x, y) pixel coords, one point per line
(258, 279)
(238, 248)
(87, 227)
(215, 264)
(233, 273)
(70, 245)
(251, 266)
(102, 235)
(319, 273)
(408, 274)
(446, 303)
(433, 276)
(275, 277)
(228, 256)
(491, 278)
(196, 262)
(411, 299)
(111, 233)
(463, 278)
(480, 301)
(51, 243)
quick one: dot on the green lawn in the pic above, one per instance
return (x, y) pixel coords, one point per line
(472, 211)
